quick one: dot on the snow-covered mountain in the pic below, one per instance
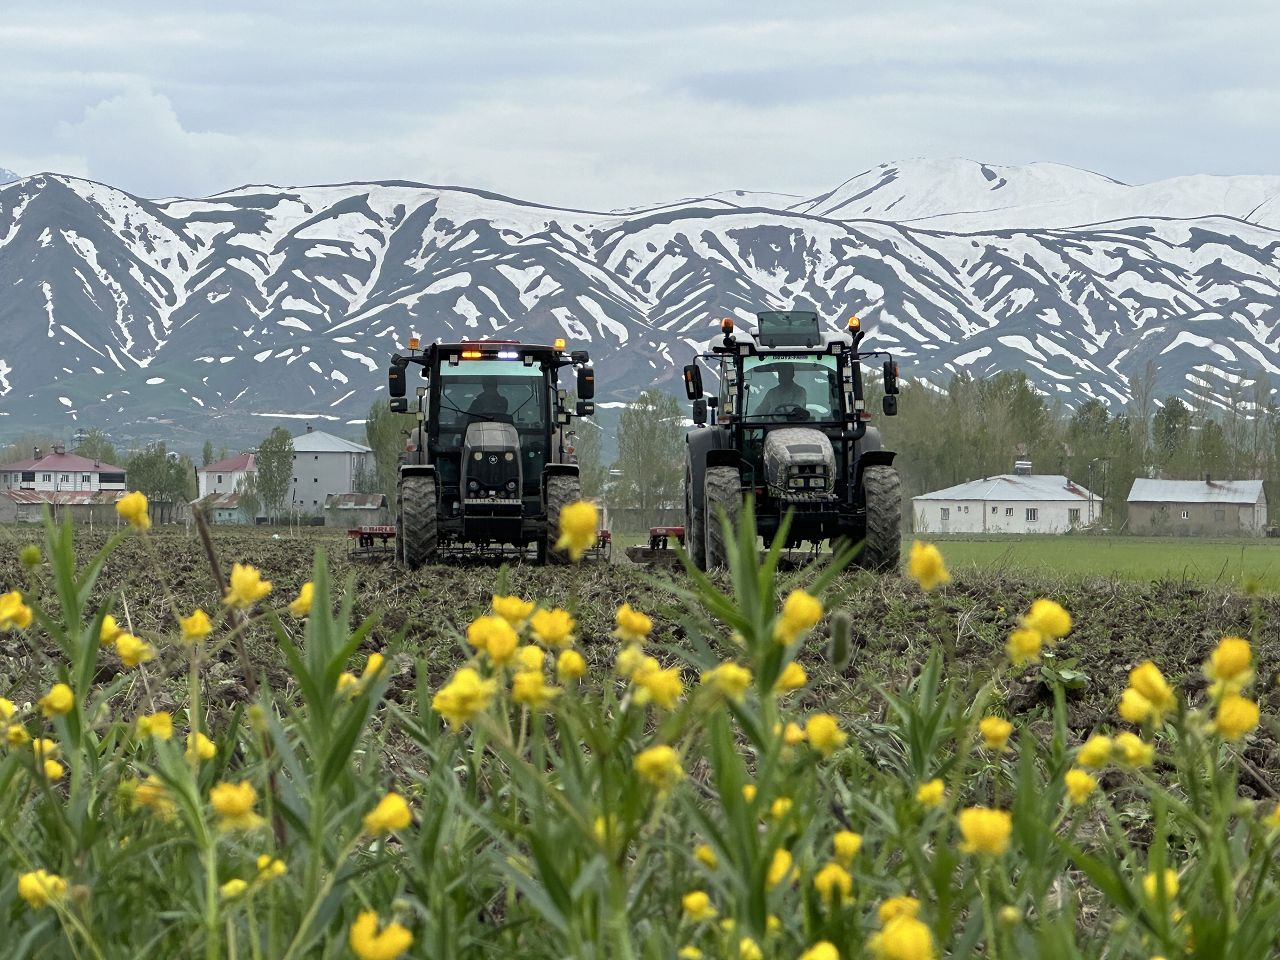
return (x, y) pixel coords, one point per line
(7, 176)
(210, 317)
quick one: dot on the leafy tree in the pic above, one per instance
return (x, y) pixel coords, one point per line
(590, 453)
(95, 446)
(167, 478)
(206, 455)
(384, 433)
(651, 452)
(250, 504)
(275, 469)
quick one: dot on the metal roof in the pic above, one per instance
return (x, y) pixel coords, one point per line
(1195, 491)
(235, 464)
(68, 462)
(355, 501)
(1011, 487)
(317, 441)
(63, 497)
(218, 501)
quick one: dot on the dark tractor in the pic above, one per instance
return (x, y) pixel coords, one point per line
(487, 464)
(789, 426)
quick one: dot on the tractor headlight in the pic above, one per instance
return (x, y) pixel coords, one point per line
(473, 485)
(511, 484)
(510, 456)
(478, 455)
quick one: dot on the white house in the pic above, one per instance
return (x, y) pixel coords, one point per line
(1009, 503)
(59, 472)
(225, 475)
(324, 465)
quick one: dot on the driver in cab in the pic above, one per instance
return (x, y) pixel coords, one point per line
(489, 404)
(787, 394)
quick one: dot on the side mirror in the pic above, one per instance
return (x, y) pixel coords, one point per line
(890, 377)
(399, 405)
(579, 357)
(586, 383)
(890, 405)
(693, 382)
(585, 408)
(700, 412)
(395, 381)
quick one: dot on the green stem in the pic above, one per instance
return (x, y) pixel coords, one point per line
(319, 898)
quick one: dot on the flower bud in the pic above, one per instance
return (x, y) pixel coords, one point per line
(30, 555)
(257, 718)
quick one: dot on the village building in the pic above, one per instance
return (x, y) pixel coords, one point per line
(356, 509)
(225, 476)
(1018, 502)
(66, 483)
(1197, 507)
(324, 465)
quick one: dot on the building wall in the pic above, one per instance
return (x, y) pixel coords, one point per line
(316, 475)
(1198, 519)
(50, 479)
(996, 516)
(208, 482)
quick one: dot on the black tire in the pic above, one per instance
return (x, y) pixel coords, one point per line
(562, 490)
(882, 490)
(694, 534)
(416, 521)
(723, 487)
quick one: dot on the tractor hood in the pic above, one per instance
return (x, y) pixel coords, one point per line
(491, 462)
(799, 462)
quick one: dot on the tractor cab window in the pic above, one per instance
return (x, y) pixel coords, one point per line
(799, 388)
(500, 391)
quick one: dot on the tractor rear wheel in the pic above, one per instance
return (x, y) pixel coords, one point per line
(882, 492)
(694, 521)
(416, 521)
(723, 486)
(561, 491)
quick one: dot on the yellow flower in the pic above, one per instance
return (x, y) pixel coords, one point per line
(845, 846)
(630, 659)
(663, 687)
(824, 733)
(200, 747)
(1133, 750)
(247, 587)
(495, 637)
(570, 666)
(553, 627)
(689, 952)
(58, 702)
(698, 906)
(153, 795)
(44, 747)
(706, 856)
(7, 709)
(1080, 785)
(1153, 888)
(748, 949)
(158, 725)
(53, 770)
(926, 567)
(1147, 679)
(15, 734)
(41, 888)
(985, 831)
(370, 943)
(1049, 619)
(579, 527)
(392, 813)
(1095, 752)
(1273, 818)
(1024, 646)
(822, 950)
(133, 507)
(300, 605)
(931, 794)
(793, 734)
(133, 651)
(896, 907)
(195, 627)
(632, 625)
(530, 657)
(791, 678)
(801, 612)
(903, 938)
(109, 631)
(347, 680)
(233, 888)
(512, 609)
(833, 883)
(995, 732)
(1134, 707)
(463, 697)
(728, 679)
(373, 666)
(270, 867)
(14, 614)
(749, 792)
(530, 688)
(779, 868)
(1010, 915)
(659, 766)
(1230, 666)
(1236, 716)
(780, 807)
(233, 803)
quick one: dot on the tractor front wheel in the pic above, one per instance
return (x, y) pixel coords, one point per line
(419, 536)
(723, 487)
(694, 519)
(882, 490)
(561, 491)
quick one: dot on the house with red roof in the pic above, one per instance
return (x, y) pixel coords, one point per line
(62, 482)
(225, 476)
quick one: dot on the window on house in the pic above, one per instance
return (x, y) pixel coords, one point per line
(1219, 515)
(1186, 514)
(65, 477)
(944, 513)
(1033, 514)
(219, 478)
(993, 510)
(1008, 511)
(84, 478)
(1073, 515)
(315, 479)
(966, 509)
(46, 477)
(316, 457)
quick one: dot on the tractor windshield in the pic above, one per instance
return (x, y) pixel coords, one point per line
(801, 387)
(492, 390)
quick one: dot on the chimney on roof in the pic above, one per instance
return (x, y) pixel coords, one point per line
(59, 448)
(35, 453)
(1208, 479)
(1022, 468)
(308, 428)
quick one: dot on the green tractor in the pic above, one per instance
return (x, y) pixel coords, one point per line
(487, 465)
(789, 426)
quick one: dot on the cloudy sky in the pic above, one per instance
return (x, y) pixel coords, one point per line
(605, 104)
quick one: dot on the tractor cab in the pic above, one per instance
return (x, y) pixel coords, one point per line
(489, 447)
(789, 426)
